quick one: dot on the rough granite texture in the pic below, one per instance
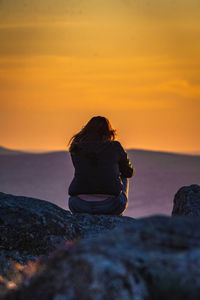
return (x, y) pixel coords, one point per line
(187, 201)
(98, 257)
(154, 258)
(31, 227)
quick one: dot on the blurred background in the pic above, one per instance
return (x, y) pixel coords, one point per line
(134, 62)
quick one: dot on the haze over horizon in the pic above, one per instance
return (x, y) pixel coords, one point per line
(135, 62)
(29, 150)
(158, 176)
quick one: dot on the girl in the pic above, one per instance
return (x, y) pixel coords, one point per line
(102, 168)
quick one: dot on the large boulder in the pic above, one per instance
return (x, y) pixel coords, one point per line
(96, 257)
(153, 258)
(32, 227)
(187, 201)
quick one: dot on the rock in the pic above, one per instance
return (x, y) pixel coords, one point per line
(32, 227)
(96, 257)
(187, 201)
(153, 258)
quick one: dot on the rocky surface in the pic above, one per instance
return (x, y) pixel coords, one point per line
(153, 258)
(187, 201)
(97, 257)
(32, 227)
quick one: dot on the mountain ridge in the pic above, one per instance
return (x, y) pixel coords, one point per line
(9, 151)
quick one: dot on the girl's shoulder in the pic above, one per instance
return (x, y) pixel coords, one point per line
(117, 143)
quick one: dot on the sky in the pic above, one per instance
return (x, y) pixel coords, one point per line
(135, 62)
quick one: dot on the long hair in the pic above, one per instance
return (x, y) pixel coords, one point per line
(97, 128)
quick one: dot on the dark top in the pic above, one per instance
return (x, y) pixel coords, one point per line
(98, 167)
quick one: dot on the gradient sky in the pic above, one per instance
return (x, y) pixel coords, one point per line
(135, 62)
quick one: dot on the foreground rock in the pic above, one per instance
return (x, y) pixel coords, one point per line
(32, 227)
(153, 258)
(187, 201)
(96, 257)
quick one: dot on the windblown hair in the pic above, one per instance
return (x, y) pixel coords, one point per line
(97, 128)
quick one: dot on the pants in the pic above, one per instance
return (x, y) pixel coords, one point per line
(110, 206)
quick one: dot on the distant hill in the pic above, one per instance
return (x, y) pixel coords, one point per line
(7, 151)
(47, 176)
(192, 153)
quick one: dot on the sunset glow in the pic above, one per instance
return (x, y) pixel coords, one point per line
(135, 62)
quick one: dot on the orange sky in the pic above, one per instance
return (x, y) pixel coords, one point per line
(135, 62)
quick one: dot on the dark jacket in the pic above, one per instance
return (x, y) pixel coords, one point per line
(98, 167)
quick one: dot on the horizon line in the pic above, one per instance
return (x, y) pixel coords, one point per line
(191, 152)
